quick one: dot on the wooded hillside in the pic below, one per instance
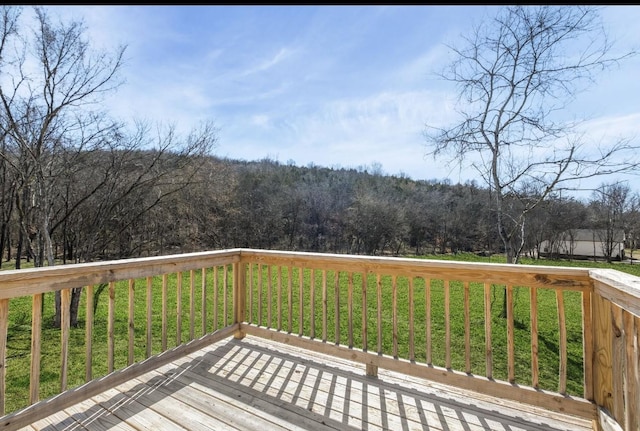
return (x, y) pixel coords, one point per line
(267, 204)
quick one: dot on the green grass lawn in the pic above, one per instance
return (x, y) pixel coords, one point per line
(547, 316)
(19, 335)
(260, 309)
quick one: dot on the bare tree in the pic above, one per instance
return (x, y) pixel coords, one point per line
(610, 204)
(633, 226)
(514, 74)
(63, 150)
(45, 116)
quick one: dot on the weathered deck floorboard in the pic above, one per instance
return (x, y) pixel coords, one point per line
(251, 384)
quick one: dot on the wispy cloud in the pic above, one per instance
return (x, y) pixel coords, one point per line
(269, 63)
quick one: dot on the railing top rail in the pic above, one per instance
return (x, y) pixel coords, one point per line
(622, 288)
(527, 275)
(32, 281)
(618, 287)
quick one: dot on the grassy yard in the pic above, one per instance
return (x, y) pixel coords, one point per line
(547, 330)
(633, 269)
(275, 314)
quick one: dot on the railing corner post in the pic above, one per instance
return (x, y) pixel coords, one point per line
(372, 371)
(239, 334)
(239, 296)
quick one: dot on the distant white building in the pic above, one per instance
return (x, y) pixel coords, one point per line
(586, 243)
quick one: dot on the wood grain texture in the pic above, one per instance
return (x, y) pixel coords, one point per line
(65, 319)
(88, 338)
(535, 367)
(603, 355)
(36, 339)
(254, 384)
(562, 343)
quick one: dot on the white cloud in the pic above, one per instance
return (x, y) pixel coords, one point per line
(612, 128)
(261, 120)
(269, 63)
(386, 128)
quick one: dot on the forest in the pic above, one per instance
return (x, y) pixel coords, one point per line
(118, 206)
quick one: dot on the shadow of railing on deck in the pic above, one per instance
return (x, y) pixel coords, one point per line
(312, 395)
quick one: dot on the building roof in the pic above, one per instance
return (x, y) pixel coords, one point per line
(595, 235)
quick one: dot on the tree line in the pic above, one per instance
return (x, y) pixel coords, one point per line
(215, 203)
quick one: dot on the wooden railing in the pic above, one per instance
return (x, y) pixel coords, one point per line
(154, 311)
(555, 337)
(616, 340)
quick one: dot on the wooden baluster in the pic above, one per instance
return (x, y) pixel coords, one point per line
(203, 295)
(165, 282)
(290, 296)
(350, 308)
(88, 336)
(336, 300)
(427, 312)
(216, 290)
(179, 310)
(511, 368)
(251, 288)
(535, 367)
(487, 331)
(192, 303)
(447, 324)
(149, 315)
(324, 305)
(603, 358)
(65, 318)
(132, 334)
(365, 282)
(239, 297)
(260, 276)
(467, 328)
(225, 294)
(562, 327)
(312, 314)
(111, 326)
(301, 301)
(36, 337)
(269, 298)
(379, 307)
(412, 351)
(394, 314)
(587, 345)
(619, 367)
(280, 298)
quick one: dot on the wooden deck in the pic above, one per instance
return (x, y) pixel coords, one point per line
(252, 384)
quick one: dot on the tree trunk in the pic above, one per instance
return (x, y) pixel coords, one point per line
(75, 305)
(3, 239)
(19, 250)
(57, 318)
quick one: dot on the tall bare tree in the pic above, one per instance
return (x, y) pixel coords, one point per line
(632, 231)
(63, 149)
(610, 204)
(51, 81)
(513, 75)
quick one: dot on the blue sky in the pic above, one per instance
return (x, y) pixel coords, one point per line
(336, 86)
